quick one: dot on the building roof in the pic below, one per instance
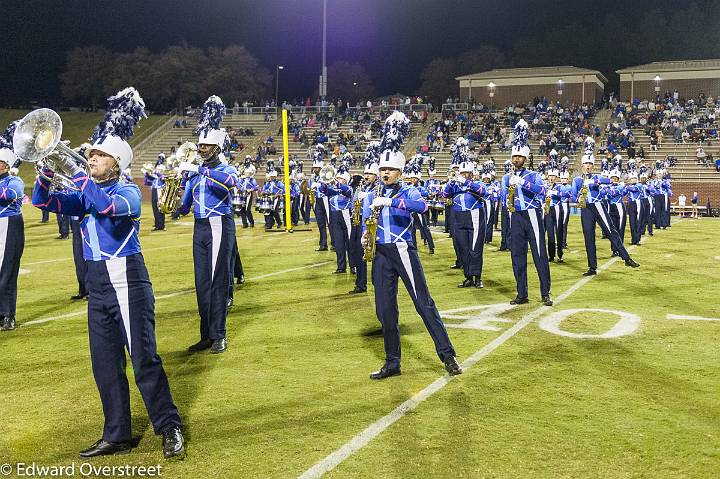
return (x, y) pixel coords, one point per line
(674, 66)
(531, 72)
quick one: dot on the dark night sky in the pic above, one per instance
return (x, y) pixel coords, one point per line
(393, 39)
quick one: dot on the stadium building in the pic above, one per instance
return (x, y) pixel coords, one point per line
(689, 77)
(501, 87)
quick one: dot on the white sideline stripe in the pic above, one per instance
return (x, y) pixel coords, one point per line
(690, 318)
(375, 429)
(172, 295)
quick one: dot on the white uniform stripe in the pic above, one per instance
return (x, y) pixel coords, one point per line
(536, 228)
(117, 271)
(558, 219)
(601, 210)
(326, 207)
(3, 237)
(405, 258)
(475, 215)
(637, 207)
(346, 218)
(216, 232)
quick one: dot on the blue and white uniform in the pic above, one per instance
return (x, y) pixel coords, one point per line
(208, 193)
(340, 201)
(469, 223)
(12, 241)
(246, 188)
(276, 189)
(322, 211)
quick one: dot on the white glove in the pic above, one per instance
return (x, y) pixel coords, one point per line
(589, 182)
(380, 201)
(515, 180)
(364, 239)
(362, 195)
(552, 192)
(187, 166)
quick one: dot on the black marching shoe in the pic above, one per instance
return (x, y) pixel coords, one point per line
(478, 283)
(338, 271)
(456, 266)
(519, 300)
(590, 272)
(105, 448)
(384, 372)
(229, 304)
(353, 270)
(614, 253)
(560, 260)
(322, 249)
(218, 346)
(452, 366)
(631, 262)
(78, 296)
(357, 290)
(201, 345)
(241, 279)
(546, 300)
(432, 251)
(173, 443)
(467, 282)
(7, 323)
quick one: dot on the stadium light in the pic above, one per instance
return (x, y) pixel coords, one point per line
(277, 82)
(491, 93)
(657, 83)
(560, 87)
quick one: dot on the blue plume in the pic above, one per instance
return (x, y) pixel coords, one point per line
(270, 166)
(520, 134)
(394, 131)
(564, 164)
(542, 167)
(124, 111)
(589, 146)
(6, 139)
(605, 165)
(211, 116)
(631, 165)
(507, 166)
(372, 153)
(460, 151)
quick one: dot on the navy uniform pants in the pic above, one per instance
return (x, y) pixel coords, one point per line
(158, 217)
(646, 215)
(246, 212)
(448, 219)
(294, 210)
(553, 227)
(504, 228)
(63, 222)
(618, 217)
(321, 216)
(400, 260)
(527, 228)
(356, 255)
(236, 272)
(489, 216)
(340, 231)
(666, 210)
(595, 213)
(434, 216)
(659, 205)
(420, 222)
(469, 233)
(12, 244)
(634, 215)
(121, 315)
(80, 264)
(213, 244)
(305, 209)
(566, 213)
(274, 216)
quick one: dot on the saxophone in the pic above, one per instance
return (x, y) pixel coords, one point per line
(371, 224)
(170, 192)
(510, 202)
(582, 200)
(548, 200)
(357, 208)
(311, 196)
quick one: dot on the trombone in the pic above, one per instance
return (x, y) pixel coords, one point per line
(37, 140)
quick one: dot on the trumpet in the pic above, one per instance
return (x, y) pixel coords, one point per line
(37, 140)
(170, 192)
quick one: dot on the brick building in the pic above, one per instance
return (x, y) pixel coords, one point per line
(689, 77)
(501, 87)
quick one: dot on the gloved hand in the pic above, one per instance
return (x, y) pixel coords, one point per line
(589, 181)
(187, 166)
(515, 180)
(381, 201)
(362, 195)
(552, 192)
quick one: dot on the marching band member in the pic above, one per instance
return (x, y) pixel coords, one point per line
(12, 230)
(156, 187)
(304, 202)
(396, 255)
(207, 191)
(322, 208)
(339, 196)
(554, 217)
(121, 304)
(488, 174)
(586, 190)
(634, 202)
(294, 200)
(413, 172)
(523, 194)
(248, 187)
(468, 220)
(565, 203)
(658, 196)
(647, 202)
(434, 190)
(666, 188)
(616, 195)
(371, 173)
(459, 154)
(275, 189)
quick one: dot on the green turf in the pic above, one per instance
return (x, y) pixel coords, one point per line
(293, 385)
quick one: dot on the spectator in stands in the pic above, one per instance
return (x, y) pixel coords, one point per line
(695, 200)
(700, 155)
(681, 204)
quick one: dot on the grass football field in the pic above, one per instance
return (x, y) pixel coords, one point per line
(547, 392)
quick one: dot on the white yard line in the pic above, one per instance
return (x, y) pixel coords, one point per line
(684, 317)
(375, 429)
(177, 293)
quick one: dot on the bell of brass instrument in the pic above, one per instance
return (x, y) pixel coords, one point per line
(371, 224)
(37, 140)
(357, 208)
(327, 174)
(582, 199)
(170, 192)
(511, 196)
(548, 200)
